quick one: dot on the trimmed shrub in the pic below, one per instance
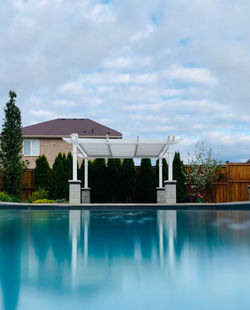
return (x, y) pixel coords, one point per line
(43, 201)
(145, 182)
(7, 198)
(180, 176)
(42, 173)
(58, 178)
(128, 180)
(113, 179)
(40, 193)
(99, 180)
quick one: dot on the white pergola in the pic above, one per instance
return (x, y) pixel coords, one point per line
(122, 148)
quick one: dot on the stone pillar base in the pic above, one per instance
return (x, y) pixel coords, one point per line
(75, 192)
(170, 192)
(160, 195)
(249, 192)
(85, 195)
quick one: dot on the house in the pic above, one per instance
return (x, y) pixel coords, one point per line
(46, 137)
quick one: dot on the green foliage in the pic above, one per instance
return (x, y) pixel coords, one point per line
(11, 148)
(204, 169)
(61, 201)
(40, 193)
(58, 178)
(7, 198)
(43, 201)
(180, 176)
(128, 180)
(99, 180)
(145, 182)
(42, 173)
(114, 179)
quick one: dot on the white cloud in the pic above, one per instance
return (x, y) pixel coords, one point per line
(145, 67)
(191, 75)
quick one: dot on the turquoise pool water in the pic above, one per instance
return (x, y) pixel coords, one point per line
(124, 260)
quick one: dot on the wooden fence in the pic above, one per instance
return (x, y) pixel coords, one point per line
(233, 186)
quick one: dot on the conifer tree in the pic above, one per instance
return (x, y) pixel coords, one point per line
(145, 183)
(11, 161)
(99, 180)
(180, 176)
(113, 179)
(58, 179)
(68, 170)
(128, 180)
(42, 173)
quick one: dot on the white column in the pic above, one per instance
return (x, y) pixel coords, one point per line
(160, 172)
(170, 163)
(74, 138)
(86, 172)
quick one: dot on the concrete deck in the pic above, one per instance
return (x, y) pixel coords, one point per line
(230, 206)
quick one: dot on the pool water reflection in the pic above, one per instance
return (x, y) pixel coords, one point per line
(124, 260)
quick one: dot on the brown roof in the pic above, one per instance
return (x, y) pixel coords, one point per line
(67, 126)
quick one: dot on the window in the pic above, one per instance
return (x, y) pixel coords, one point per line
(31, 147)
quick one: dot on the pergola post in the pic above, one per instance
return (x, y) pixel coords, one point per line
(74, 185)
(86, 189)
(160, 190)
(170, 185)
(160, 172)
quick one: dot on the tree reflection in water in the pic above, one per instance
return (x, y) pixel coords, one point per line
(89, 254)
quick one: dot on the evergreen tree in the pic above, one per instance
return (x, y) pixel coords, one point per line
(113, 179)
(145, 182)
(68, 171)
(180, 176)
(42, 173)
(128, 180)
(99, 180)
(58, 179)
(69, 167)
(11, 148)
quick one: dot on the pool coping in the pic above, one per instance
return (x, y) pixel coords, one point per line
(227, 206)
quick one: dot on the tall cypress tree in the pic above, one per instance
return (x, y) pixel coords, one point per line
(145, 182)
(99, 180)
(113, 179)
(42, 173)
(58, 179)
(180, 176)
(128, 180)
(11, 148)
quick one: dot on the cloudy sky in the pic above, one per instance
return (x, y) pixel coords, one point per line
(143, 67)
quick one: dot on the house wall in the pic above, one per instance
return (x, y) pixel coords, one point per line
(50, 148)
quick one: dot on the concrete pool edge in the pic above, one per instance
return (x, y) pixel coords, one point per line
(227, 206)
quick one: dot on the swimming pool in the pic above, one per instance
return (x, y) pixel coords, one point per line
(124, 260)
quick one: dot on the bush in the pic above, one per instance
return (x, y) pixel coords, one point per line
(7, 198)
(58, 178)
(145, 182)
(180, 176)
(63, 200)
(43, 201)
(41, 193)
(128, 180)
(42, 173)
